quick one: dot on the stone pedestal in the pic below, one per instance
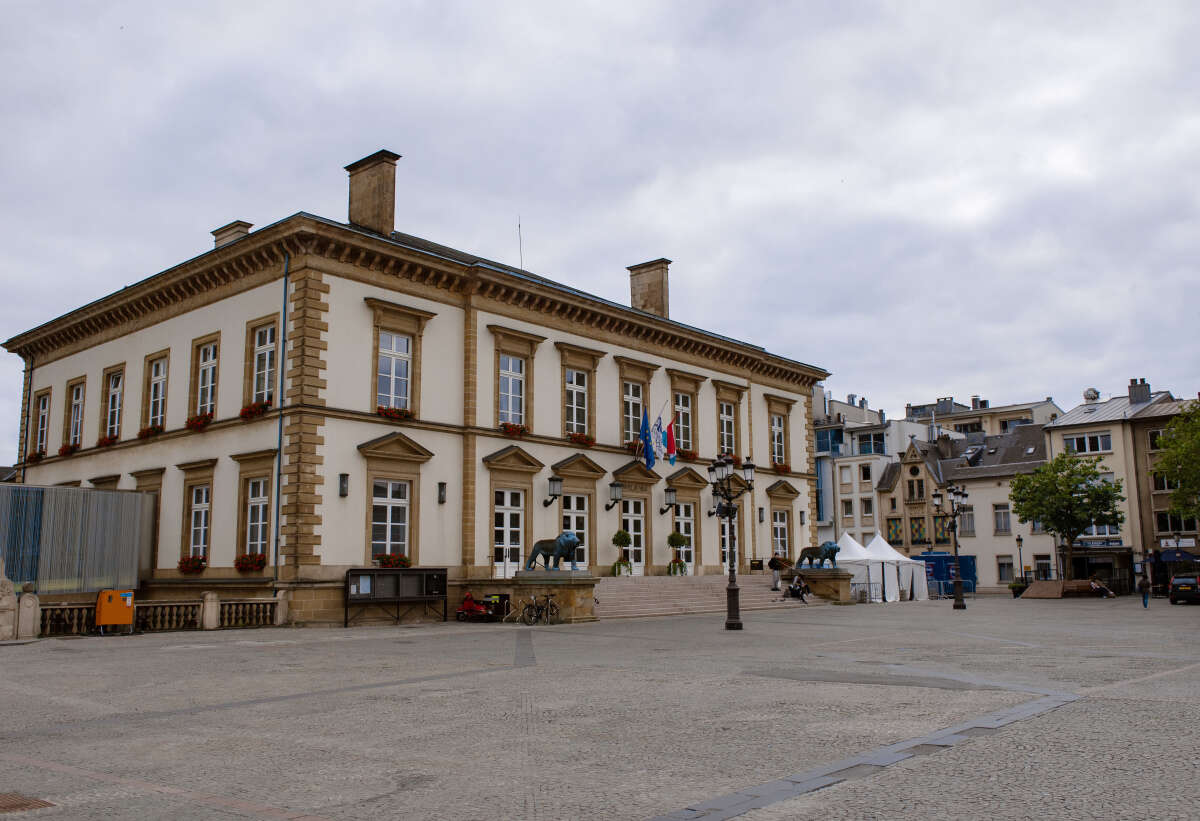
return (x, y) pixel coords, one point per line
(827, 582)
(29, 616)
(574, 590)
(210, 611)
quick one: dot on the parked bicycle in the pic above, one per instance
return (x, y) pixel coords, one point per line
(547, 611)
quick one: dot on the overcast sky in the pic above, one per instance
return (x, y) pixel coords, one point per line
(927, 199)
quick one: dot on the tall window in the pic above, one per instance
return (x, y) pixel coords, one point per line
(683, 421)
(206, 378)
(512, 389)
(848, 508)
(575, 412)
(392, 377)
(685, 525)
(1169, 523)
(75, 427)
(1154, 436)
(112, 405)
(1041, 566)
(264, 364)
(728, 542)
(633, 522)
(916, 488)
(575, 520)
(728, 435)
(1001, 516)
(779, 532)
(201, 509)
(43, 422)
(869, 443)
(389, 517)
(778, 450)
(631, 410)
(157, 404)
(966, 520)
(257, 504)
(867, 506)
(1004, 569)
(864, 473)
(508, 527)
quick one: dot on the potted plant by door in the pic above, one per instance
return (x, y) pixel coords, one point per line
(622, 566)
(677, 566)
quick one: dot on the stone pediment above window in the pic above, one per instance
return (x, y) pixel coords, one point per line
(575, 356)
(512, 341)
(397, 447)
(578, 465)
(729, 391)
(782, 490)
(513, 458)
(686, 382)
(635, 369)
(399, 317)
(687, 479)
(636, 473)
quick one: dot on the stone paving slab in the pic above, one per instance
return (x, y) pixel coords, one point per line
(671, 717)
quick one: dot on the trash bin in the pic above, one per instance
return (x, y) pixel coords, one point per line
(114, 608)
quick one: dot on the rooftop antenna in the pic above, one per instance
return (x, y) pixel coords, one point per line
(520, 244)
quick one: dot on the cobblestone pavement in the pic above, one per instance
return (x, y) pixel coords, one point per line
(1011, 709)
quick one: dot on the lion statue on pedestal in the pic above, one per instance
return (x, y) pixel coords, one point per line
(558, 549)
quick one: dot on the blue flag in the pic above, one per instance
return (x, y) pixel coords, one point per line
(647, 445)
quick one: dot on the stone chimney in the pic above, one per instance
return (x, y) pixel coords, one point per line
(882, 417)
(862, 403)
(975, 402)
(373, 192)
(850, 398)
(1139, 391)
(231, 233)
(648, 287)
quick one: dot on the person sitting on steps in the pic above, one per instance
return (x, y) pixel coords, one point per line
(798, 589)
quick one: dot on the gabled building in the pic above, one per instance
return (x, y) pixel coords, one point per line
(322, 393)
(981, 416)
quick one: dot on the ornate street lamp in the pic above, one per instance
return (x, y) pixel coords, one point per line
(720, 474)
(957, 497)
(1020, 558)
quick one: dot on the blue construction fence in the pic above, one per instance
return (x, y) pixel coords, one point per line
(940, 572)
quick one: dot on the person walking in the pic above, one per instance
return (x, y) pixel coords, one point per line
(1144, 589)
(776, 565)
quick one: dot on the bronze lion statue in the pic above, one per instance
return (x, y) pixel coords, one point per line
(828, 550)
(558, 549)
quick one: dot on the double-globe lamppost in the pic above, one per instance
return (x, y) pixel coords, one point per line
(958, 496)
(720, 476)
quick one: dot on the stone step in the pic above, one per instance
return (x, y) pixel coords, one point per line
(642, 596)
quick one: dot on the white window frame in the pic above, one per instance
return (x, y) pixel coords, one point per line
(1091, 442)
(575, 409)
(263, 386)
(866, 507)
(158, 392)
(779, 532)
(258, 503)
(631, 410)
(390, 511)
(847, 508)
(683, 420)
(112, 405)
(966, 521)
(393, 370)
(633, 522)
(685, 525)
(575, 515)
(75, 431)
(511, 392)
(508, 529)
(200, 520)
(778, 445)
(999, 511)
(42, 427)
(1004, 562)
(206, 378)
(725, 419)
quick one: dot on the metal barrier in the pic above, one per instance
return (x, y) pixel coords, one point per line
(864, 592)
(945, 589)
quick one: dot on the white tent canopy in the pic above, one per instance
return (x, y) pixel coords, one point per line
(910, 574)
(866, 569)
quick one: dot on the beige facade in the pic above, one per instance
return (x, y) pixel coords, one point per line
(981, 416)
(396, 366)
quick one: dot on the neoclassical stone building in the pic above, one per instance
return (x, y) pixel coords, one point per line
(323, 392)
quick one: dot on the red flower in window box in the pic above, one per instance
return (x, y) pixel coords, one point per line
(393, 560)
(35, 457)
(67, 450)
(149, 431)
(199, 422)
(782, 467)
(513, 430)
(633, 447)
(250, 562)
(395, 414)
(191, 565)
(582, 439)
(689, 455)
(106, 441)
(254, 410)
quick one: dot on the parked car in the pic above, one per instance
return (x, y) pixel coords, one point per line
(1184, 589)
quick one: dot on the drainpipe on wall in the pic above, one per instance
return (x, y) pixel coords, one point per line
(279, 425)
(26, 406)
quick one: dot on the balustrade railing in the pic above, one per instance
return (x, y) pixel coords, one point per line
(247, 613)
(157, 616)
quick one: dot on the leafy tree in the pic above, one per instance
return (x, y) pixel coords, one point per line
(1179, 461)
(1067, 495)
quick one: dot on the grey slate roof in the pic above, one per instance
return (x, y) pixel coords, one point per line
(1021, 450)
(1116, 409)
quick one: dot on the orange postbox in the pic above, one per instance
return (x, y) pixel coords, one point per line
(114, 607)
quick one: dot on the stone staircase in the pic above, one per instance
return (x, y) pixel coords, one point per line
(628, 597)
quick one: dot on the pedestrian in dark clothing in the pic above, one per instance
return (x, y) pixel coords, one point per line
(776, 564)
(1144, 589)
(798, 588)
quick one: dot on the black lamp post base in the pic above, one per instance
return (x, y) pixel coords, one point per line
(959, 604)
(733, 625)
(733, 609)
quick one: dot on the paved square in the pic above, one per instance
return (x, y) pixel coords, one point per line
(1058, 709)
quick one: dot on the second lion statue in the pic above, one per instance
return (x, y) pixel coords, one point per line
(558, 549)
